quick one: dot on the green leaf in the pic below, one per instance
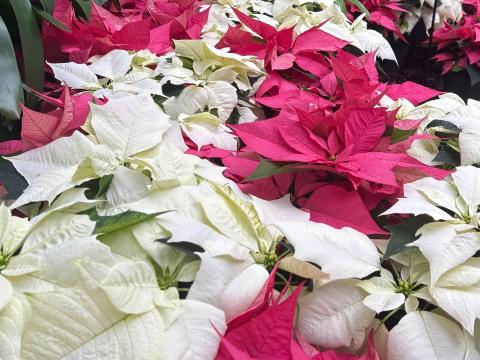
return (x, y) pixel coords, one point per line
(443, 123)
(360, 7)
(184, 247)
(85, 6)
(268, 168)
(109, 224)
(31, 47)
(474, 74)
(104, 184)
(448, 155)
(342, 6)
(48, 17)
(100, 2)
(48, 5)
(399, 135)
(403, 234)
(10, 178)
(11, 92)
(97, 187)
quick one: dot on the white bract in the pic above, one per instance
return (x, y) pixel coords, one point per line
(211, 83)
(450, 241)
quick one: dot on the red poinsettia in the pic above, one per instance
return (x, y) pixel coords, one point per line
(459, 44)
(39, 128)
(331, 144)
(384, 13)
(279, 49)
(141, 25)
(265, 331)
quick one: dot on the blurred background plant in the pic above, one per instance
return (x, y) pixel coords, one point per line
(22, 56)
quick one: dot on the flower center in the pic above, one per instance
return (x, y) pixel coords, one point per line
(3, 262)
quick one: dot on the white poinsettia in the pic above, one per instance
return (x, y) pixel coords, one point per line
(122, 73)
(228, 283)
(129, 125)
(212, 64)
(12, 235)
(50, 170)
(299, 13)
(334, 315)
(448, 108)
(14, 318)
(211, 79)
(457, 292)
(467, 119)
(205, 128)
(323, 245)
(370, 40)
(218, 95)
(401, 289)
(214, 78)
(450, 242)
(447, 10)
(386, 294)
(457, 194)
(120, 129)
(93, 322)
(425, 335)
(100, 294)
(237, 231)
(430, 110)
(46, 259)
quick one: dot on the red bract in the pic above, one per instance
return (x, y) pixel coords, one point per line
(39, 129)
(279, 49)
(343, 143)
(265, 332)
(411, 91)
(144, 25)
(331, 144)
(385, 13)
(459, 44)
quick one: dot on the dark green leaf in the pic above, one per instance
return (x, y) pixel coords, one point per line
(448, 155)
(403, 234)
(184, 247)
(46, 16)
(443, 123)
(341, 4)
(11, 92)
(104, 184)
(474, 74)
(264, 169)
(109, 224)
(399, 135)
(85, 7)
(10, 178)
(32, 48)
(48, 5)
(92, 213)
(268, 168)
(360, 7)
(100, 2)
(97, 187)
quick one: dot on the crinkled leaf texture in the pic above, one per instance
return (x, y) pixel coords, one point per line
(130, 124)
(192, 336)
(334, 315)
(73, 323)
(49, 169)
(425, 335)
(13, 319)
(324, 246)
